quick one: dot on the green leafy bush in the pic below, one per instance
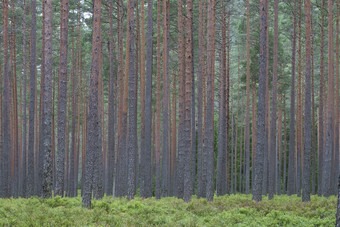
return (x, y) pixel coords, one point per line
(229, 210)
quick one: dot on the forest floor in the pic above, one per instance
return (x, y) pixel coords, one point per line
(230, 210)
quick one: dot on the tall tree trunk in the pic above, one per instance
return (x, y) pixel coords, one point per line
(181, 114)
(146, 182)
(158, 104)
(327, 158)
(188, 116)
(62, 98)
(165, 118)
(321, 99)
(47, 181)
(111, 121)
(247, 137)
(209, 124)
(253, 131)
(93, 130)
(258, 176)
(24, 128)
(199, 102)
(173, 136)
(272, 150)
(6, 105)
(132, 129)
(221, 177)
(308, 106)
(291, 163)
(31, 131)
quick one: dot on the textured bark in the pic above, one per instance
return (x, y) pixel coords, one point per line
(120, 180)
(158, 104)
(279, 151)
(247, 137)
(111, 118)
(93, 128)
(253, 131)
(62, 98)
(327, 158)
(24, 128)
(258, 176)
(146, 182)
(31, 131)
(291, 162)
(188, 116)
(321, 100)
(6, 105)
(47, 181)
(228, 106)
(74, 83)
(181, 105)
(284, 190)
(132, 127)
(308, 105)
(173, 136)
(209, 124)
(337, 106)
(221, 177)
(165, 114)
(314, 141)
(272, 150)
(199, 102)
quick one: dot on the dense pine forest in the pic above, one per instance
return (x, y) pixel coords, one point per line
(187, 99)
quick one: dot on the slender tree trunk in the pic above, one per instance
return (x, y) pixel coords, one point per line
(327, 159)
(173, 136)
(132, 130)
(158, 104)
(308, 106)
(181, 114)
(6, 105)
(253, 131)
(199, 102)
(24, 128)
(188, 116)
(247, 137)
(321, 99)
(209, 124)
(62, 98)
(93, 130)
(165, 115)
(272, 150)
(222, 145)
(258, 176)
(291, 163)
(31, 131)
(146, 181)
(47, 181)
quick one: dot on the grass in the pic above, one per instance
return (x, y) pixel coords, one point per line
(233, 210)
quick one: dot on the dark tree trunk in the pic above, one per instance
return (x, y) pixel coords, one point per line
(31, 131)
(221, 186)
(209, 124)
(188, 113)
(321, 99)
(146, 182)
(111, 120)
(291, 155)
(258, 176)
(308, 106)
(165, 118)
(6, 105)
(93, 130)
(132, 133)
(327, 158)
(47, 181)
(62, 98)
(272, 150)
(23, 177)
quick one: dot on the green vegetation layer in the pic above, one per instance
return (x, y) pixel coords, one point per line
(233, 210)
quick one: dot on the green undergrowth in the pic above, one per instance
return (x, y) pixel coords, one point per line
(233, 210)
